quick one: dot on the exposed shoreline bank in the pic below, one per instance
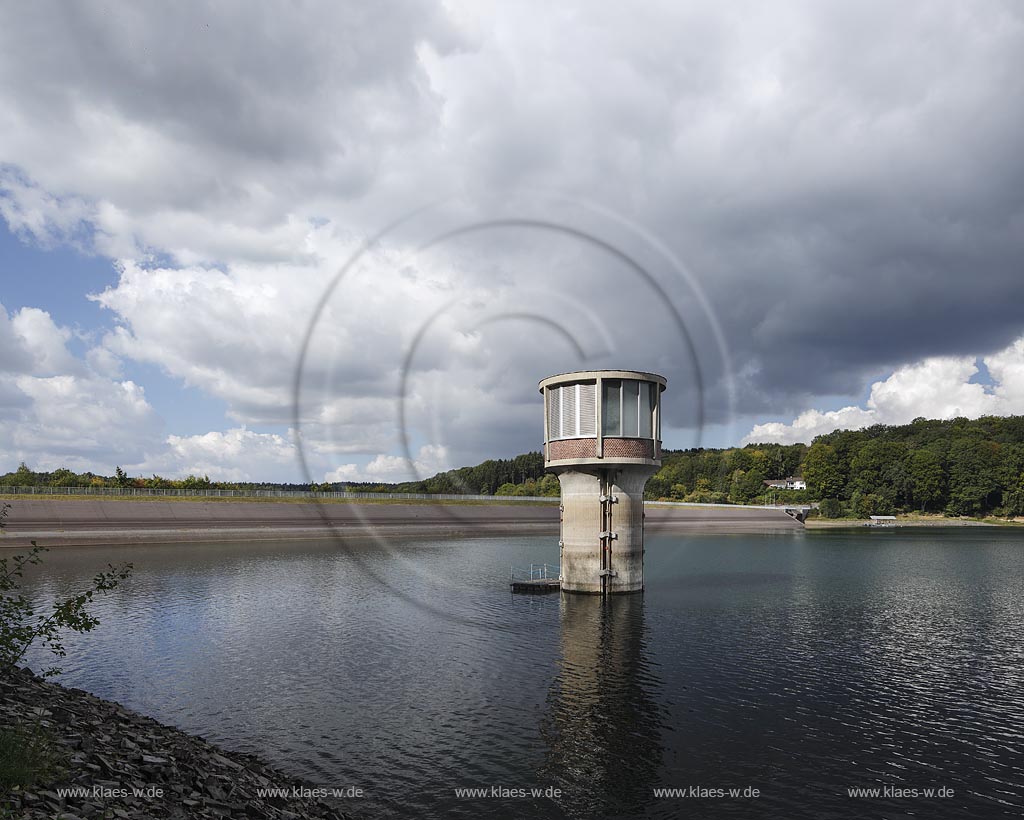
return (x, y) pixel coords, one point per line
(846, 523)
(107, 748)
(56, 523)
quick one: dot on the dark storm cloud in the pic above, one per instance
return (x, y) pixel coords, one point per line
(879, 217)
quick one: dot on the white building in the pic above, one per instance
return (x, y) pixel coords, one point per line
(791, 483)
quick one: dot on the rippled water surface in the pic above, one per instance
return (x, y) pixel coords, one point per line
(798, 665)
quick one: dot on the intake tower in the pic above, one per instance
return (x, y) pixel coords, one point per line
(602, 438)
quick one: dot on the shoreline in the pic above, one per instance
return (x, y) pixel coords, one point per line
(62, 522)
(228, 535)
(848, 523)
(107, 751)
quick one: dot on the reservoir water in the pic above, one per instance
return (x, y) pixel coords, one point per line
(802, 666)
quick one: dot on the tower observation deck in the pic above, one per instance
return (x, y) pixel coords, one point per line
(602, 438)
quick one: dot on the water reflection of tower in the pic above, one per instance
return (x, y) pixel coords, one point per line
(602, 728)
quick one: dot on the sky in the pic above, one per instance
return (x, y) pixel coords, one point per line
(344, 241)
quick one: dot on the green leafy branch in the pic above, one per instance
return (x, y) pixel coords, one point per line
(22, 625)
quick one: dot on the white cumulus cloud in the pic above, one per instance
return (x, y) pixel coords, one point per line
(237, 454)
(57, 410)
(938, 387)
(429, 460)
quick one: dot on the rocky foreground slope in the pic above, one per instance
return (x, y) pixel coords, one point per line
(123, 765)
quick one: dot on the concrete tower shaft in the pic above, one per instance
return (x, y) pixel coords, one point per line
(602, 439)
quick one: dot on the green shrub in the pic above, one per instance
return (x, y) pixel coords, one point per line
(21, 622)
(831, 508)
(28, 755)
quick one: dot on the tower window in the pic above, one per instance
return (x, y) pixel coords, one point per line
(627, 407)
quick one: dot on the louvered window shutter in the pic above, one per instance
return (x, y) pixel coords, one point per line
(588, 409)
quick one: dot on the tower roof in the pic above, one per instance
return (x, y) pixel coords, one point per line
(584, 375)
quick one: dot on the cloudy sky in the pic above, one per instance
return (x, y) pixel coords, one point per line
(360, 233)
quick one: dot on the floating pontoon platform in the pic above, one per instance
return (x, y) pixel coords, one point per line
(539, 578)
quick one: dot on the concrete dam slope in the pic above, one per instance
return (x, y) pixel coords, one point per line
(715, 518)
(54, 522)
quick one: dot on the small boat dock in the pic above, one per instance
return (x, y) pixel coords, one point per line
(537, 579)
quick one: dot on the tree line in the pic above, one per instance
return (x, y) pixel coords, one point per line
(24, 476)
(959, 467)
(521, 475)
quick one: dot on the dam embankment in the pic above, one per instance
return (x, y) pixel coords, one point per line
(63, 522)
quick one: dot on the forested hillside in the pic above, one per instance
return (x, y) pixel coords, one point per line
(957, 467)
(960, 467)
